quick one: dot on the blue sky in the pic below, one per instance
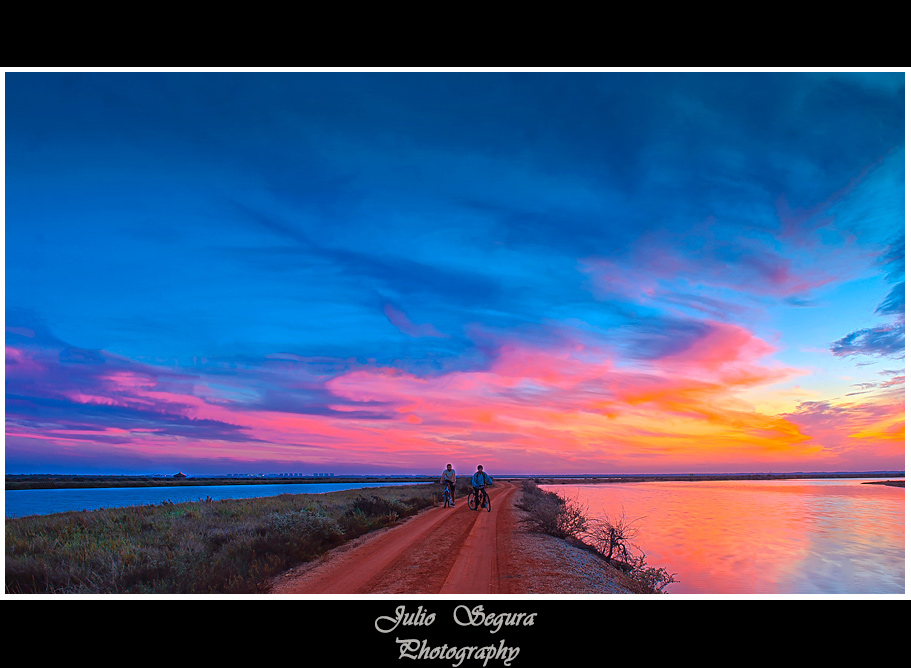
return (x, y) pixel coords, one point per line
(251, 243)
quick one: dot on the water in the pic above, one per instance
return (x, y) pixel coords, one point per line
(23, 502)
(831, 536)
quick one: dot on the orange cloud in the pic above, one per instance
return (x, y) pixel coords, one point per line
(571, 404)
(559, 407)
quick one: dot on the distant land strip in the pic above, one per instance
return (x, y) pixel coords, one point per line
(52, 481)
(561, 480)
(63, 481)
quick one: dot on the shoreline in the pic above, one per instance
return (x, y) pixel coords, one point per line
(57, 481)
(598, 480)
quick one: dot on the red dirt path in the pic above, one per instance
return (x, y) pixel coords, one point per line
(438, 551)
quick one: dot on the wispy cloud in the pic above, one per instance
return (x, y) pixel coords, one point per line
(584, 271)
(887, 340)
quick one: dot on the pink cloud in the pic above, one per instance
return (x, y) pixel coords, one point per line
(726, 350)
(573, 403)
(565, 405)
(710, 258)
(21, 363)
(863, 435)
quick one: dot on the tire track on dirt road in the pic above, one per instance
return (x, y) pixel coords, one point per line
(441, 550)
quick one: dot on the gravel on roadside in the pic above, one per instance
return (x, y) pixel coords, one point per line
(550, 565)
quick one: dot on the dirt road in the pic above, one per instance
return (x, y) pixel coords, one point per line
(438, 551)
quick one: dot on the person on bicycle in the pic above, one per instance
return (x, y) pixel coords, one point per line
(478, 481)
(448, 479)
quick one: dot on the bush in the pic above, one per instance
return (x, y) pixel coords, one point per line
(613, 540)
(368, 513)
(647, 580)
(551, 514)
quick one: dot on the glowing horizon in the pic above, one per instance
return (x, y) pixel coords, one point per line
(538, 272)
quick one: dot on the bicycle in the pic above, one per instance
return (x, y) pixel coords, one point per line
(447, 496)
(473, 499)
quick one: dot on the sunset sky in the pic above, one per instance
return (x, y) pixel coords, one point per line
(386, 272)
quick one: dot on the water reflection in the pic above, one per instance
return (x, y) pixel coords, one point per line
(763, 537)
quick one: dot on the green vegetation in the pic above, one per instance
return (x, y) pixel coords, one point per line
(204, 547)
(567, 519)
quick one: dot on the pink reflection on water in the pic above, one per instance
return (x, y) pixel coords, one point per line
(834, 536)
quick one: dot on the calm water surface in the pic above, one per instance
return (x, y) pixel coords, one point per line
(833, 536)
(21, 502)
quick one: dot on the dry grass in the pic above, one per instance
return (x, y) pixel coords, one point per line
(201, 547)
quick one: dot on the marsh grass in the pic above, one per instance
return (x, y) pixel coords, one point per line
(232, 546)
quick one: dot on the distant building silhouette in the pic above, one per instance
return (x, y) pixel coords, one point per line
(180, 475)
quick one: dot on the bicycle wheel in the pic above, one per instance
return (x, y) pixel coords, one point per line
(486, 502)
(472, 502)
(447, 499)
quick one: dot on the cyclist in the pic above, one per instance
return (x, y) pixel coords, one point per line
(478, 481)
(448, 479)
